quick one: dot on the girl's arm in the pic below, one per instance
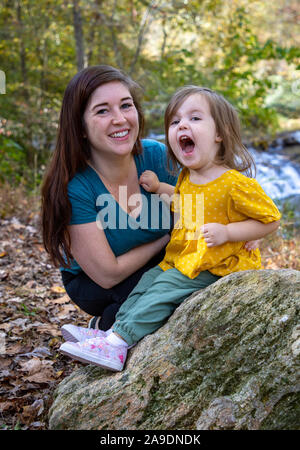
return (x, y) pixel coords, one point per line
(151, 183)
(247, 230)
(93, 253)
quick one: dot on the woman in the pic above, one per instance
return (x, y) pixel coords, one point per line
(100, 155)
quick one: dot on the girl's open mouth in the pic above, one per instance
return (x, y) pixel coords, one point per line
(187, 145)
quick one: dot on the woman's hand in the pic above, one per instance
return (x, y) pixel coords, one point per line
(251, 245)
(149, 181)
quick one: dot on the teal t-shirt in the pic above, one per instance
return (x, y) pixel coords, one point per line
(92, 202)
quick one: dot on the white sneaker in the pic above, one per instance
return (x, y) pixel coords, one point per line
(73, 333)
(98, 352)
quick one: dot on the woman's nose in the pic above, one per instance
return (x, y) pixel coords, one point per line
(118, 117)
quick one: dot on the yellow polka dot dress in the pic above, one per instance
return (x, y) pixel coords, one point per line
(232, 197)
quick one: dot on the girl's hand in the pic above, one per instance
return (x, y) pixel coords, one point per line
(217, 234)
(251, 245)
(214, 234)
(149, 181)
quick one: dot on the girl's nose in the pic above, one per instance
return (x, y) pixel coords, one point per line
(182, 124)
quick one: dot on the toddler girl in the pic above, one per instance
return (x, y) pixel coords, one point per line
(211, 197)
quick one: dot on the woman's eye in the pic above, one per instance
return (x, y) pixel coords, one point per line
(126, 105)
(102, 111)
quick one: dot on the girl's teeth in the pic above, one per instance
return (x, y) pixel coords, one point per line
(187, 144)
(119, 135)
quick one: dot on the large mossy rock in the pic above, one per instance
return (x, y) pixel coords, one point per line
(228, 358)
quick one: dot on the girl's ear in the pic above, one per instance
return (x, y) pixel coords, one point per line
(218, 138)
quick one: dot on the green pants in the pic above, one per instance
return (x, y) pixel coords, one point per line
(154, 299)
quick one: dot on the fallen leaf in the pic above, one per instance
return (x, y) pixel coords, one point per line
(58, 289)
(42, 352)
(5, 406)
(60, 300)
(5, 326)
(16, 223)
(30, 412)
(53, 342)
(3, 275)
(4, 375)
(59, 373)
(45, 376)
(14, 349)
(15, 300)
(30, 284)
(5, 362)
(19, 323)
(65, 313)
(39, 371)
(32, 366)
(48, 328)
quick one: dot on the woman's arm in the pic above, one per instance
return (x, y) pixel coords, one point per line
(247, 230)
(93, 253)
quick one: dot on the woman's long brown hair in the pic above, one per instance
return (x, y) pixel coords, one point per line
(71, 155)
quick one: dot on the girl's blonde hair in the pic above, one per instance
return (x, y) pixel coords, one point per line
(232, 152)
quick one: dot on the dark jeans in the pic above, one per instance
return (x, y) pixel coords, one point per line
(95, 300)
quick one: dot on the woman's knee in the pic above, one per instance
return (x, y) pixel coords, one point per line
(87, 296)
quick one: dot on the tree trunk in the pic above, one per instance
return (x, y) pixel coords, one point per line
(146, 20)
(78, 33)
(20, 31)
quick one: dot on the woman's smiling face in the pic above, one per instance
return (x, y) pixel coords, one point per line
(111, 119)
(192, 134)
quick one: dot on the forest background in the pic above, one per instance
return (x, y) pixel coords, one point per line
(248, 50)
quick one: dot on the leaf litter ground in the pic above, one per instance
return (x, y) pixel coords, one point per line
(34, 306)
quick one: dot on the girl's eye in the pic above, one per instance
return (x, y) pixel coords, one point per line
(174, 122)
(196, 118)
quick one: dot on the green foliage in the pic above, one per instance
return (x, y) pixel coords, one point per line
(12, 160)
(237, 47)
(289, 221)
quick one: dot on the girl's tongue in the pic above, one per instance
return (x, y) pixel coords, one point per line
(187, 144)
